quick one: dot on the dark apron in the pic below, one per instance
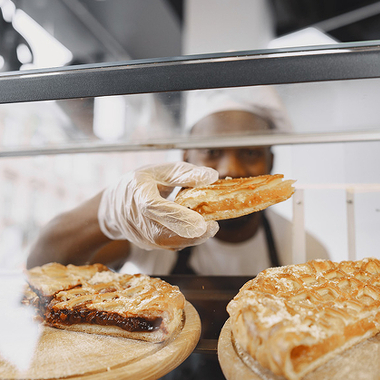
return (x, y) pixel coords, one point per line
(182, 265)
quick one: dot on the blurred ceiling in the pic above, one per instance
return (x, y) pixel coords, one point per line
(98, 31)
(344, 20)
(106, 30)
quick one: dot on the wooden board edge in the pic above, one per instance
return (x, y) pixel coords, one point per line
(232, 366)
(364, 356)
(163, 361)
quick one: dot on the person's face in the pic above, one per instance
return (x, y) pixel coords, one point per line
(232, 162)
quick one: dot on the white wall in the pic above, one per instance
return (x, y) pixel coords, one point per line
(221, 25)
(326, 170)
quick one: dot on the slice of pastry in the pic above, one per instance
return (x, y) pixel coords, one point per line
(50, 278)
(295, 318)
(94, 299)
(233, 197)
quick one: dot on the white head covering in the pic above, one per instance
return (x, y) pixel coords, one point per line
(261, 100)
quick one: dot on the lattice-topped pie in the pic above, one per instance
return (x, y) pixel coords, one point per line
(92, 298)
(233, 197)
(293, 319)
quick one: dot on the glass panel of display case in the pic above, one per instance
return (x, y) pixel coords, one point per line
(300, 113)
(55, 154)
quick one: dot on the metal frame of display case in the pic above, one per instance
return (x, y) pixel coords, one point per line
(247, 68)
(195, 142)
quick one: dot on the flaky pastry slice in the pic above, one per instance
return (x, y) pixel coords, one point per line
(46, 280)
(108, 303)
(295, 318)
(233, 197)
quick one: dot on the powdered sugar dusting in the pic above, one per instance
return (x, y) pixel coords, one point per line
(104, 277)
(272, 310)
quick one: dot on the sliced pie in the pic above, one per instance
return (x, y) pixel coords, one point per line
(293, 319)
(94, 299)
(233, 197)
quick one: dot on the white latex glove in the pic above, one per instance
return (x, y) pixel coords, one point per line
(135, 207)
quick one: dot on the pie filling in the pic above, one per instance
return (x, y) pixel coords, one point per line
(75, 316)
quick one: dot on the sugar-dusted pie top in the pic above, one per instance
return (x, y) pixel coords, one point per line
(97, 287)
(292, 318)
(46, 280)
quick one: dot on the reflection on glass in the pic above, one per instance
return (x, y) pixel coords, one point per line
(34, 189)
(19, 333)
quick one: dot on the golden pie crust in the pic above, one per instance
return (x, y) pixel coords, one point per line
(295, 318)
(94, 299)
(234, 197)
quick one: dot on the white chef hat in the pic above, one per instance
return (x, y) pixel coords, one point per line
(263, 101)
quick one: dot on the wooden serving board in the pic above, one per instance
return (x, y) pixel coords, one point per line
(61, 354)
(360, 362)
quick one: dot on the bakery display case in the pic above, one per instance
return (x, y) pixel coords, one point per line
(67, 132)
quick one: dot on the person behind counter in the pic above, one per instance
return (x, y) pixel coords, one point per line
(130, 226)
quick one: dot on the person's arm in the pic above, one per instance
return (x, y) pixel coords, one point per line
(74, 237)
(131, 211)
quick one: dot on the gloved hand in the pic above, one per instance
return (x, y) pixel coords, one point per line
(135, 207)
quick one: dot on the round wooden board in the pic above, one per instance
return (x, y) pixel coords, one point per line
(61, 354)
(360, 362)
